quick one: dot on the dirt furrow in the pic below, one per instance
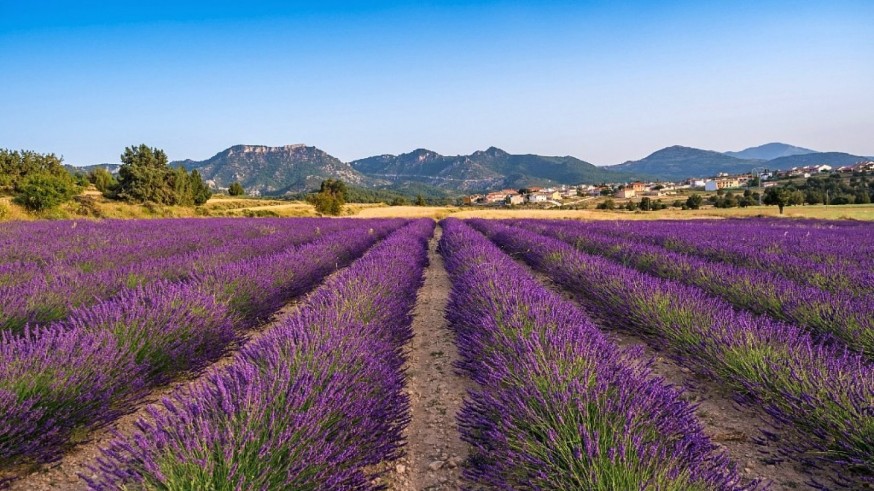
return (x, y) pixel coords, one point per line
(434, 450)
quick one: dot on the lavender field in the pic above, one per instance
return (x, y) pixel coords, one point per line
(238, 354)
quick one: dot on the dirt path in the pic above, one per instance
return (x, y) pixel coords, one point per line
(434, 450)
(63, 474)
(735, 429)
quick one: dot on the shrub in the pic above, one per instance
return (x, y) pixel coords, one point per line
(608, 204)
(43, 191)
(236, 189)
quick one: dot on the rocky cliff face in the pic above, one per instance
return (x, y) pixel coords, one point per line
(274, 170)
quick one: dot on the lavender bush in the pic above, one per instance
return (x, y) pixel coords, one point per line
(308, 406)
(823, 393)
(559, 406)
(153, 333)
(827, 314)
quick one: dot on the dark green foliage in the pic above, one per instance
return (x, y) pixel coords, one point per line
(199, 190)
(16, 166)
(40, 192)
(727, 200)
(835, 190)
(779, 196)
(236, 189)
(145, 177)
(420, 201)
(398, 202)
(330, 198)
(608, 204)
(694, 201)
(102, 179)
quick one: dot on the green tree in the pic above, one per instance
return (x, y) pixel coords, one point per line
(779, 196)
(236, 189)
(420, 201)
(694, 201)
(608, 204)
(330, 198)
(199, 189)
(326, 203)
(646, 203)
(145, 176)
(41, 192)
(102, 179)
(17, 165)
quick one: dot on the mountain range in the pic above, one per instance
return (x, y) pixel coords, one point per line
(294, 169)
(677, 162)
(298, 168)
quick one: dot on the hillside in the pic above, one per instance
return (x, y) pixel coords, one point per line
(831, 158)
(683, 162)
(274, 170)
(482, 170)
(769, 151)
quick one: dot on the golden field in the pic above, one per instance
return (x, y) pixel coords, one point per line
(92, 205)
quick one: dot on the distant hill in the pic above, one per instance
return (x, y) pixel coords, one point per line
(482, 170)
(679, 162)
(830, 158)
(274, 170)
(113, 168)
(769, 151)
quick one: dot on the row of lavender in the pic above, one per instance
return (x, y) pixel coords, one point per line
(838, 258)
(822, 394)
(824, 313)
(52, 245)
(74, 375)
(558, 405)
(38, 296)
(311, 405)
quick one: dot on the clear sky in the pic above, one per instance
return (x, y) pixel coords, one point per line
(603, 81)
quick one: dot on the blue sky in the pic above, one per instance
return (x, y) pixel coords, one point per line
(603, 81)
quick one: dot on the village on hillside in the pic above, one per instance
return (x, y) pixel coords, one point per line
(565, 195)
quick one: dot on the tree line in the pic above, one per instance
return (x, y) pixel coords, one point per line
(40, 182)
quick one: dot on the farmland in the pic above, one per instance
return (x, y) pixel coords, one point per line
(396, 353)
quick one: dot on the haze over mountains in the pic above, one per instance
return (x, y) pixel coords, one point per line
(294, 169)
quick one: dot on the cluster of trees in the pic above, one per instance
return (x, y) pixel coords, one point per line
(830, 190)
(834, 190)
(40, 182)
(728, 199)
(645, 204)
(145, 176)
(334, 193)
(37, 181)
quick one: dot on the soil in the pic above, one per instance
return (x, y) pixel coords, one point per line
(434, 450)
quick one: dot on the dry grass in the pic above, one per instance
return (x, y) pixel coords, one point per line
(851, 212)
(93, 205)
